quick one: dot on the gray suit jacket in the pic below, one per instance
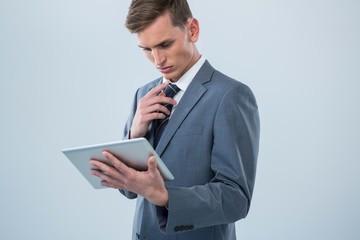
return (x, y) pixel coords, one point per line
(211, 146)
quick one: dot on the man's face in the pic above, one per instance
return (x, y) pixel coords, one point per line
(171, 49)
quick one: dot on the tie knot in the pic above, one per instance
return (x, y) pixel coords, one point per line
(171, 90)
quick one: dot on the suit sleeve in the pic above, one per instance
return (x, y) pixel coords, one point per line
(226, 198)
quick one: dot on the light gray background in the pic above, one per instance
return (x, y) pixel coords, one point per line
(68, 72)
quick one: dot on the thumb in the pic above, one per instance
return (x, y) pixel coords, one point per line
(152, 167)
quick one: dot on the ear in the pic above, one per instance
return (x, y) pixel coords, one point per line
(193, 29)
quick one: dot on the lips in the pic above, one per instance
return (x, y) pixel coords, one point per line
(165, 69)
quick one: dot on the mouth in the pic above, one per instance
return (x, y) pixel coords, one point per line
(165, 69)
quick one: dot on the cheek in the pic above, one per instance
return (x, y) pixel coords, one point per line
(177, 56)
(185, 57)
(150, 57)
(186, 51)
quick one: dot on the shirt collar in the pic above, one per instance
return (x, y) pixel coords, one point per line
(186, 79)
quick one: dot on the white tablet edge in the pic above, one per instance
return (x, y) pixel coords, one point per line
(138, 149)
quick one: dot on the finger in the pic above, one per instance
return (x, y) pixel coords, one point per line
(118, 164)
(103, 168)
(156, 90)
(157, 115)
(100, 174)
(110, 178)
(152, 167)
(157, 108)
(149, 103)
(165, 100)
(109, 184)
(99, 165)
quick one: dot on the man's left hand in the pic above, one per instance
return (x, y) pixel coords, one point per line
(148, 184)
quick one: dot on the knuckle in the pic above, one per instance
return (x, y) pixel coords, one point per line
(125, 184)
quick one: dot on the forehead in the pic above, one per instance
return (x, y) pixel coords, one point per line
(158, 31)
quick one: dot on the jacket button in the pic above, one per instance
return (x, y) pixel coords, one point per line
(137, 236)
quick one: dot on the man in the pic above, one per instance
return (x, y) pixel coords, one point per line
(210, 143)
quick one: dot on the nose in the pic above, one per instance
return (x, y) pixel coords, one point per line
(159, 57)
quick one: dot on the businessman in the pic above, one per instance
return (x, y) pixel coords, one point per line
(203, 124)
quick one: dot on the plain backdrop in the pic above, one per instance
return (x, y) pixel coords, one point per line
(69, 70)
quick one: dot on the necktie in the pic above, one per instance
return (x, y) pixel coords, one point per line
(170, 91)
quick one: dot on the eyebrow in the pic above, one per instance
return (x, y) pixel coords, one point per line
(165, 42)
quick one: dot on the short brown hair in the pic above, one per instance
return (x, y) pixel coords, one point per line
(143, 12)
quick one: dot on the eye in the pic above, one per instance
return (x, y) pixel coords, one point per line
(166, 44)
(147, 49)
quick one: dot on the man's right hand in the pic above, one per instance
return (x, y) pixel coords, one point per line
(150, 107)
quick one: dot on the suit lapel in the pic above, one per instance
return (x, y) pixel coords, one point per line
(191, 97)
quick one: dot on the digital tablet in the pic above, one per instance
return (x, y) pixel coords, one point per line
(134, 153)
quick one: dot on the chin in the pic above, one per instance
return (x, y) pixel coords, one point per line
(168, 76)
